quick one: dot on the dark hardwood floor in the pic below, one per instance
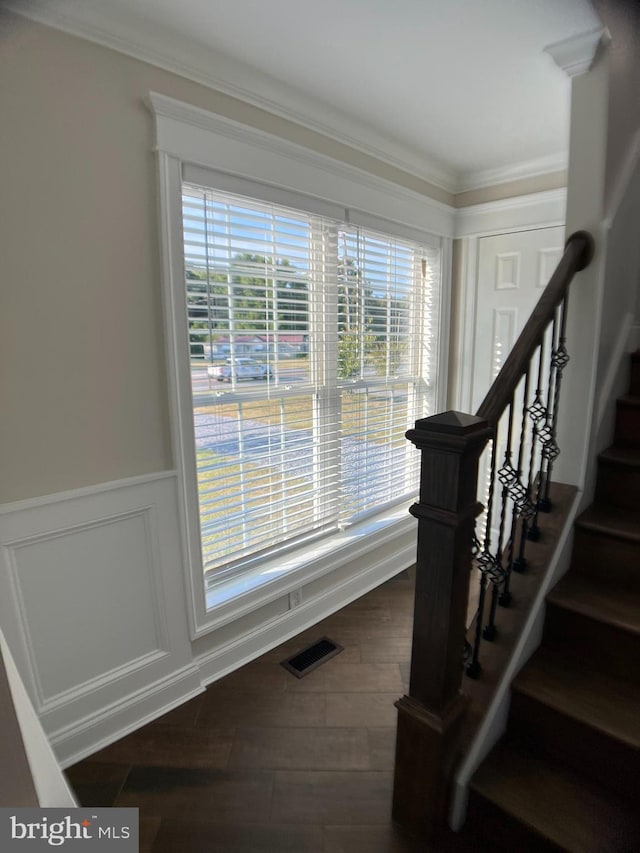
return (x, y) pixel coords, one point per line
(263, 762)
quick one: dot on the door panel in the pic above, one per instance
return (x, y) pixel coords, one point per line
(513, 269)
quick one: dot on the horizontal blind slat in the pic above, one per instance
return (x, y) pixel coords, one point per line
(326, 306)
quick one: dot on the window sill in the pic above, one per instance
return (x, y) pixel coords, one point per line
(276, 577)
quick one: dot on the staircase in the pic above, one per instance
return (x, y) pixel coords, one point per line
(566, 776)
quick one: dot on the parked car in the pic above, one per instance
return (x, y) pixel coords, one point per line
(239, 368)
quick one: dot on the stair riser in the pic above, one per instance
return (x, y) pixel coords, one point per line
(605, 647)
(607, 558)
(618, 485)
(550, 733)
(627, 432)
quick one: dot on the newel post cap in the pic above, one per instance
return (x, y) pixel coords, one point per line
(456, 427)
(459, 423)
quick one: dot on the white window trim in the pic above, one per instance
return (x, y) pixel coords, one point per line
(187, 134)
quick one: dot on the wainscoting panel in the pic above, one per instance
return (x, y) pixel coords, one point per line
(77, 578)
(88, 582)
(93, 608)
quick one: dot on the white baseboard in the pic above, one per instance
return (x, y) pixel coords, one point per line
(83, 737)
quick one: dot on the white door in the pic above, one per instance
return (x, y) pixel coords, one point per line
(513, 270)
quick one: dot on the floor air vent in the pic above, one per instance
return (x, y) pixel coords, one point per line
(312, 657)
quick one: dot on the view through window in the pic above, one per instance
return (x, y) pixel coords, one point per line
(312, 351)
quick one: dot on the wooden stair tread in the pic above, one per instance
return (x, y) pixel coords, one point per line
(555, 802)
(611, 605)
(607, 704)
(624, 456)
(611, 521)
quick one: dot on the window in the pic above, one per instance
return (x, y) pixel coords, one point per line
(312, 350)
(306, 329)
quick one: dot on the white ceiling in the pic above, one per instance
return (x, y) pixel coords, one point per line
(460, 92)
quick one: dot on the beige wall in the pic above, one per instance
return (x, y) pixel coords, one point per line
(512, 189)
(84, 396)
(82, 363)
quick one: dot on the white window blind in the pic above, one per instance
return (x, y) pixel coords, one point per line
(311, 347)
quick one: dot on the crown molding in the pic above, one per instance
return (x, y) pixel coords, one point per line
(216, 71)
(575, 55)
(520, 171)
(236, 79)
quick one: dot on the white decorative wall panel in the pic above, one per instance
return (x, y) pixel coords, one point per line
(507, 271)
(75, 579)
(92, 605)
(548, 260)
(504, 332)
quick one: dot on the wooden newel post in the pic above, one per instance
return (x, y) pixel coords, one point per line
(430, 717)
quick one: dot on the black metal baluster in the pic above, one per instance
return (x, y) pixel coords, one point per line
(559, 360)
(473, 668)
(504, 599)
(476, 550)
(544, 435)
(548, 445)
(506, 475)
(490, 631)
(537, 413)
(522, 506)
(486, 565)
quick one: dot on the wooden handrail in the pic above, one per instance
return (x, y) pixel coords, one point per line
(577, 255)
